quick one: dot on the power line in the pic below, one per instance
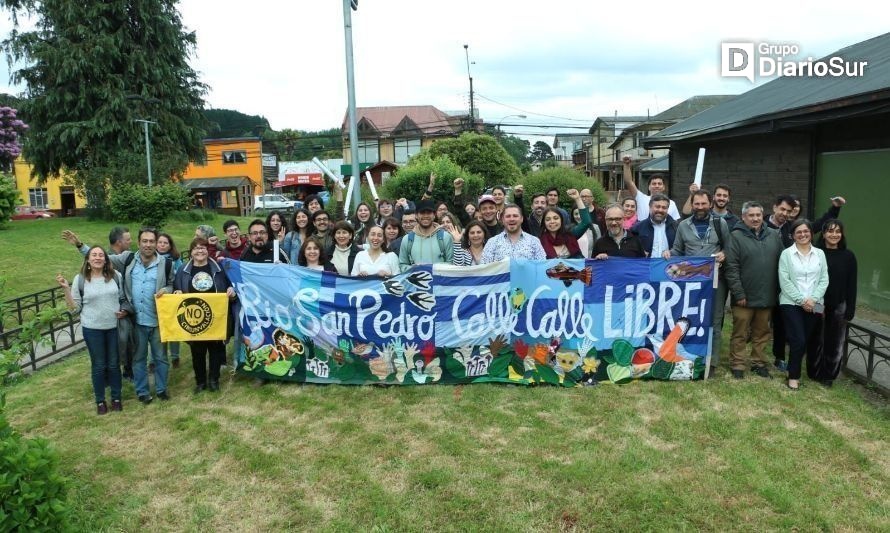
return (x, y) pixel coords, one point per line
(530, 112)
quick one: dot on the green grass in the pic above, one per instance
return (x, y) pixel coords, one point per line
(35, 251)
(717, 455)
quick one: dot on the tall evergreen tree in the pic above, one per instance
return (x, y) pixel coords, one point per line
(92, 67)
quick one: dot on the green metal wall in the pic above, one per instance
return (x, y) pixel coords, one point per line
(862, 178)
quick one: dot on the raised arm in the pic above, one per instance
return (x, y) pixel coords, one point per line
(628, 175)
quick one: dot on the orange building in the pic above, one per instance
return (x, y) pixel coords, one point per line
(229, 177)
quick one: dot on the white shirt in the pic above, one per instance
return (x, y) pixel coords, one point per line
(386, 261)
(659, 240)
(643, 208)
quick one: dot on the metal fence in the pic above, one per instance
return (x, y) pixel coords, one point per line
(867, 356)
(58, 338)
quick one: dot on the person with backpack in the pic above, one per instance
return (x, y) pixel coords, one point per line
(101, 302)
(704, 235)
(426, 243)
(145, 274)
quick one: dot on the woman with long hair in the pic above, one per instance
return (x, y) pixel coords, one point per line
(342, 252)
(557, 241)
(590, 235)
(393, 232)
(312, 255)
(203, 275)
(302, 229)
(361, 221)
(630, 213)
(167, 248)
(276, 226)
(840, 301)
(468, 245)
(447, 219)
(99, 297)
(803, 279)
(375, 261)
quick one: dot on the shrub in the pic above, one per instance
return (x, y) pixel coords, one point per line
(563, 179)
(412, 180)
(195, 215)
(150, 206)
(9, 198)
(481, 155)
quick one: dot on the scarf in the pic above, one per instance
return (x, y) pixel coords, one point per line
(564, 238)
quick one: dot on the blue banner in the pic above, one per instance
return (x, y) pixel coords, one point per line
(558, 321)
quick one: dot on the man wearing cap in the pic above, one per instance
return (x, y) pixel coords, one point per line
(489, 210)
(427, 243)
(512, 243)
(534, 221)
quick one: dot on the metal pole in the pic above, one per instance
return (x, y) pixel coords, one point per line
(472, 104)
(145, 123)
(350, 86)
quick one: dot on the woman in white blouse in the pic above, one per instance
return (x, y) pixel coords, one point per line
(803, 278)
(375, 261)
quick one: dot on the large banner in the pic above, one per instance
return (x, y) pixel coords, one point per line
(563, 322)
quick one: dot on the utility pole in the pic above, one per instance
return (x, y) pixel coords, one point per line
(147, 147)
(472, 103)
(348, 6)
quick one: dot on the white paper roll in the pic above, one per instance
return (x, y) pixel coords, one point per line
(699, 167)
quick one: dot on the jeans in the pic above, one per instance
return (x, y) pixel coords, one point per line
(804, 334)
(200, 350)
(172, 348)
(104, 365)
(146, 335)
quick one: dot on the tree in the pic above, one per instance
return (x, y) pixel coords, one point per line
(91, 69)
(224, 123)
(299, 145)
(412, 180)
(479, 154)
(564, 179)
(541, 152)
(517, 148)
(11, 130)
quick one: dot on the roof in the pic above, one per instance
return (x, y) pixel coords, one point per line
(389, 121)
(793, 96)
(570, 137)
(658, 164)
(611, 121)
(692, 106)
(214, 184)
(230, 139)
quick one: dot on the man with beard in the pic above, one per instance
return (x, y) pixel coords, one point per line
(701, 235)
(553, 201)
(533, 222)
(617, 242)
(260, 249)
(719, 205)
(656, 232)
(427, 243)
(512, 243)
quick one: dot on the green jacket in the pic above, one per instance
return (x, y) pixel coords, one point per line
(752, 265)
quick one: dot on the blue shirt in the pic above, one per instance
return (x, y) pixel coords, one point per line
(500, 246)
(144, 281)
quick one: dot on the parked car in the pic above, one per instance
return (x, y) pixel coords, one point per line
(275, 201)
(26, 212)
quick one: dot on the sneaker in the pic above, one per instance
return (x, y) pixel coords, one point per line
(760, 371)
(116, 405)
(145, 399)
(781, 365)
(738, 374)
(199, 388)
(101, 408)
(163, 396)
(214, 385)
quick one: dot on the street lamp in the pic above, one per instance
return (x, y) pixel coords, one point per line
(505, 118)
(145, 123)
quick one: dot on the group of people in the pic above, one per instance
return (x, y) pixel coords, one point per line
(777, 281)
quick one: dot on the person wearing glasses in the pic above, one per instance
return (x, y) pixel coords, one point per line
(618, 242)
(260, 249)
(235, 242)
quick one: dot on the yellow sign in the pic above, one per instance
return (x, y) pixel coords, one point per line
(193, 317)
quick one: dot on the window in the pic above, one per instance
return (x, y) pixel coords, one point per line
(638, 138)
(404, 149)
(368, 152)
(230, 157)
(37, 197)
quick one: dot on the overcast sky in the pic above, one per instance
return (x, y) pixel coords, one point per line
(573, 59)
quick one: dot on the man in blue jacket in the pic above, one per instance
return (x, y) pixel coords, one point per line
(657, 232)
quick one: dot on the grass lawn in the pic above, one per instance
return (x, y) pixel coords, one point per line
(716, 455)
(35, 251)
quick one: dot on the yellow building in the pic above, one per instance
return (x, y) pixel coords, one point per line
(54, 194)
(230, 175)
(395, 133)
